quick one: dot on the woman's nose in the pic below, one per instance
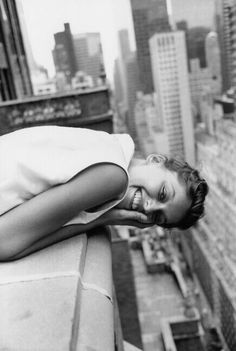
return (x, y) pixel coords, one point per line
(152, 205)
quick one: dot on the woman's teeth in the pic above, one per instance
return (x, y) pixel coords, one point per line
(136, 200)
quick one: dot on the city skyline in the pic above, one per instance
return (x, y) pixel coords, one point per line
(107, 18)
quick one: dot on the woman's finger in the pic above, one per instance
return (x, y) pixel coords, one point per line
(140, 217)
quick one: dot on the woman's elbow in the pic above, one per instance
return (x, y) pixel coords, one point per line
(8, 251)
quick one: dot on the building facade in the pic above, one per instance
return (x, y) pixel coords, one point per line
(199, 81)
(88, 108)
(171, 84)
(213, 60)
(15, 80)
(224, 14)
(149, 17)
(151, 137)
(133, 86)
(88, 55)
(124, 55)
(210, 247)
(64, 54)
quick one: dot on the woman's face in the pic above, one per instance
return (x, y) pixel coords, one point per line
(157, 192)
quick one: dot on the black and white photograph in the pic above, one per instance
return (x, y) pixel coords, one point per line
(117, 175)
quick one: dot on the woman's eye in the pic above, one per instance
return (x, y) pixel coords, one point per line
(162, 194)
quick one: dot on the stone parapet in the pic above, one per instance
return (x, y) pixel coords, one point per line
(59, 298)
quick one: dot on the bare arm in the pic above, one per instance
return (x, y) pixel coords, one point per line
(46, 213)
(113, 216)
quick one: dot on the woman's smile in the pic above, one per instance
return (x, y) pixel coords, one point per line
(157, 192)
(136, 203)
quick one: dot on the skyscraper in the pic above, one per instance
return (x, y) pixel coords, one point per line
(171, 83)
(132, 83)
(126, 79)
(124, 53)
(199, 81)
(210, 247)
(224, 16)
(149, 17)
(196, 44)
(64, 53)
(88, 54)
(213, 61)
(15, 80)
(124, 43)
(233, 48)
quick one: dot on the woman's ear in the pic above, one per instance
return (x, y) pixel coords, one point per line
(156, 158)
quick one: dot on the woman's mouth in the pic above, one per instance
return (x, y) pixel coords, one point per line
(137, 199)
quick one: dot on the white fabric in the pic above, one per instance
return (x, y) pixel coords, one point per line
(35, 159)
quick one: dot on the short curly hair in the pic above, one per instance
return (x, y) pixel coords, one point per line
(196, 188)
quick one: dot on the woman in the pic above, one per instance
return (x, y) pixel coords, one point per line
(56, 182)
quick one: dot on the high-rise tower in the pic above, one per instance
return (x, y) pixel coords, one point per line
(171, 83)
(15, 80)
(64, 53)
(149, 17)
(224, 16)
(88, 54)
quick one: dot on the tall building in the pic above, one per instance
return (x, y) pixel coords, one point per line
(117, 81)
(149, 17)
(88, 55)
(171, 83)
(210, 247)
(224, 14)
(213, 60)
(126, 79)
(124, 54)
(151, 138)
(196, 44)
(213, 54)
(199, 81)
(64, 53)
(15, 80)
(217, 155)
(133, 86)
(124, 43)
(233, 48)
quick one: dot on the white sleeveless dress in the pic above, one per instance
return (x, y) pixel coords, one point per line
(35, 159)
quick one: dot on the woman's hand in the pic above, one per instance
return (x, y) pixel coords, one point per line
(117, 216)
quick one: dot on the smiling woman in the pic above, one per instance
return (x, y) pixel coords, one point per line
(162, 188)
(58, 181)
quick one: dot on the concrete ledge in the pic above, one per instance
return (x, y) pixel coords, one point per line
(180, 279)
(54, 300)
(95, 318)
(167, 336)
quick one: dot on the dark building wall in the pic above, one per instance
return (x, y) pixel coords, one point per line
(224, 11)
(125, 292)
(90, 108)
(218, 285)
(195, 38)
(64, 53)
(149, 17)
(14, 70)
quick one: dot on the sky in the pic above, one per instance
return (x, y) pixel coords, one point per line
(43, 18)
